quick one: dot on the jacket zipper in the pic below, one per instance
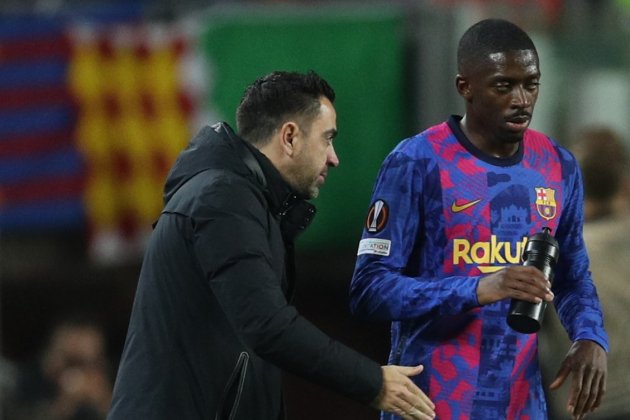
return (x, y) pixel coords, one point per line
(400, 344)
(240, 370)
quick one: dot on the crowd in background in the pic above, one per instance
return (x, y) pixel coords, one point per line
(603, 158)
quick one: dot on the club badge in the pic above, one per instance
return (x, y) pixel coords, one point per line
(546, 202)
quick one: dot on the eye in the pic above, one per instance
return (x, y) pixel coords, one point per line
(329, 135)
(532, 86)
(502, 87)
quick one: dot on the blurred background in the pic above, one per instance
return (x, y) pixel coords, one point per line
(97, 98)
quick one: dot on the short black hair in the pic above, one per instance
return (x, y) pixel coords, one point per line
(273, 98)
(487, 37)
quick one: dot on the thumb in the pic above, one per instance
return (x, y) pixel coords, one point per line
(411, 370)
(561, 376)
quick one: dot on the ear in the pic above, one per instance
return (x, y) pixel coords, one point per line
(288, 133)
(463, 87)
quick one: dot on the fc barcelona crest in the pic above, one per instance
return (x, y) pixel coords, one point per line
(546, 202)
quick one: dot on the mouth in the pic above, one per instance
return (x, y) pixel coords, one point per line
(518, 122)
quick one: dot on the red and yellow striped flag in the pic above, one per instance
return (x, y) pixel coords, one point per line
(136, 113)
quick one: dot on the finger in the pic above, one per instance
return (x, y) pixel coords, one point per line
(424, 411)
(428, 415)
(531, 293)
(397, 411)
(406, 415)
(422, 405)
(533, 285)
(420, 400)
(412, 403)
(585, 392)
(601, 392)
(409, 371)
(561, 376)
(589, 406)
(575, 389)
(419, 397)
(594, 394)
(419, 415)
(539, 291)
(426, 400)
(410, 410)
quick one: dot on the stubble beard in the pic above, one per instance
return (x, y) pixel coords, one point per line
(302, 182)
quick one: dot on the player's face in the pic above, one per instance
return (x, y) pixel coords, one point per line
(317, 153)
(503, 93)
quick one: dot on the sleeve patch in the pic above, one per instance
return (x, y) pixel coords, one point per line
(374, 246)
(377, 216)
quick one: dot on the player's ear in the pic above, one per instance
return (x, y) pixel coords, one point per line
(463, 86)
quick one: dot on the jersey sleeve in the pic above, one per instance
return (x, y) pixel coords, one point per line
(381, 287)
(576, 298)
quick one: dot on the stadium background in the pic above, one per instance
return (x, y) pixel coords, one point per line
(98, 98)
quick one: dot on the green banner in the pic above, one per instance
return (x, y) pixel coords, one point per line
(360, 53)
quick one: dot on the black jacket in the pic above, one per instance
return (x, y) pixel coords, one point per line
(211, 327)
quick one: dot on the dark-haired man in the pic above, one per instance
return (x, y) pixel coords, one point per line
(211, 328)
(441, 251)
(70, 380)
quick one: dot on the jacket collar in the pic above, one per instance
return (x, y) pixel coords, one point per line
(293, 211)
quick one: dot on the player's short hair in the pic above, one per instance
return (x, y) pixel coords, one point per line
(487, 37)
(276, 98)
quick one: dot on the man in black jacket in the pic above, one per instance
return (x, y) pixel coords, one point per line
(211, 328)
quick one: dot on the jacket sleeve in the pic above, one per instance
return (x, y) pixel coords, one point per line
(576, 298)
(233, 246)
(381, 286)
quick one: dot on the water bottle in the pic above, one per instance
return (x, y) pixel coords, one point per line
(542, 251)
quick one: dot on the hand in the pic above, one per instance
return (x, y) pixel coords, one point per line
(586, 362)
(516, 281)
(401, 396)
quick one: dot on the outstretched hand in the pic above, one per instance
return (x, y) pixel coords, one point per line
(586, 363)
(400, 396)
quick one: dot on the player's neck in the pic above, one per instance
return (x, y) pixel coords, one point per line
(487, 141)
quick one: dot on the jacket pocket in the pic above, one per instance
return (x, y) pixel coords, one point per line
(228, 405)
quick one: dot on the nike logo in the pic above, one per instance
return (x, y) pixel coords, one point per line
(456, 208)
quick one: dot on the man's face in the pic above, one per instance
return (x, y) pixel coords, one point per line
(74, 347)
(502, 94)
(317, 153)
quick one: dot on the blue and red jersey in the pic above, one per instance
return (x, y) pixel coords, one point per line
(444, 214)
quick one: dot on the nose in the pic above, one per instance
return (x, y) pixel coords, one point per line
(522, 97)
(331, 158)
